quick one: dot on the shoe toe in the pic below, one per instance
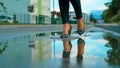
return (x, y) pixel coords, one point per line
(80, 32)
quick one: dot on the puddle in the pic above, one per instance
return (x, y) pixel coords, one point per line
(39, 50)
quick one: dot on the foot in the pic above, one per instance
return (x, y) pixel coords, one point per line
(67, 45)
(81, 44)
(80, 26)
(64, 36)
(80, 31)
(66, 30)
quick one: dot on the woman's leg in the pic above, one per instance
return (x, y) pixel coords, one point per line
(77, 7)
(67, 48)
(80, 24)
(64, 9)
(80, 51)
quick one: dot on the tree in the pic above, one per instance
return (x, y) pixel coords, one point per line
(112, 12)
(107, 15)
(3, 7)
(92, 19)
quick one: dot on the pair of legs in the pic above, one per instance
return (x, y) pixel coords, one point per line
(67, 48)
(64, 9)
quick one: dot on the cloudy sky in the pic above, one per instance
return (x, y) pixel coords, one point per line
(87, 5)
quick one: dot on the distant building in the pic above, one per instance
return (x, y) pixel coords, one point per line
(28, 11)
(72, 16)
(41, 48)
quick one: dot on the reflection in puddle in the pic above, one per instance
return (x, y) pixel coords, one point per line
(3, 46)
(113, 54)
(67, 49)
(40, 51)
(40, 47)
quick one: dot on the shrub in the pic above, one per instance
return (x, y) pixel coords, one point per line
(116, 18)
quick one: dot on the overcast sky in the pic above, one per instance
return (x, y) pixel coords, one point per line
(87, 5)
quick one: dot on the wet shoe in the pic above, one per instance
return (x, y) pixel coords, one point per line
(79, 58)
(66, 54)
(66, 57)
(80, 32)
(80, 41)
(64, 36)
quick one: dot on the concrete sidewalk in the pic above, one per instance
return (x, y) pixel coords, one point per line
(35, 28)
(32, 28)
(51, 28)
(28, 28)
(112, 29)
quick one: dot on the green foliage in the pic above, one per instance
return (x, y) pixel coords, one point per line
(113, 53)
(116, 18)
(106, 15)
(112, 14)
(3, 7)
(92, 19)
(115, 6)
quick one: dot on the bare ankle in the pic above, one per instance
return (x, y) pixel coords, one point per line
(80, 24)
(66, 28)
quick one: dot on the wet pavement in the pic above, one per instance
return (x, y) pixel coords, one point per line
(96, 49)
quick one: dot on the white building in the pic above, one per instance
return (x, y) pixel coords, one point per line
(72, 16)
(19, 9)
(41, 48)
(86, 17)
